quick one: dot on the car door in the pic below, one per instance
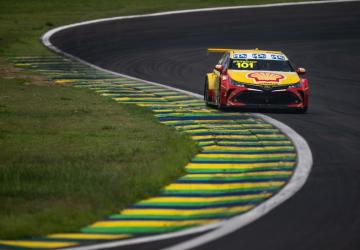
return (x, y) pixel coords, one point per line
(224, 62)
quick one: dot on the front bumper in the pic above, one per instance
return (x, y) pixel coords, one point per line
(289, 98)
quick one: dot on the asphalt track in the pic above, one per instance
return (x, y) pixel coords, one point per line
(325, 39)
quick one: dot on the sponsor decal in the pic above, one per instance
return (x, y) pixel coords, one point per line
(265, 77)
(240, 56)
(278, 57)
(259, 56)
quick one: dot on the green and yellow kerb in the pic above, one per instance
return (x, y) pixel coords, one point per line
(243, 160)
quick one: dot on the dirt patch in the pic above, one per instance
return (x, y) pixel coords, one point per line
(8, 71)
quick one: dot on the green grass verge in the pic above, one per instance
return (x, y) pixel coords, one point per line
(68, 156)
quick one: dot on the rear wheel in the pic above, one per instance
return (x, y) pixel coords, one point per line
(206, 94)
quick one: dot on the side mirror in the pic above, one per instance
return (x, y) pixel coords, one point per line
(219, 67)
(300, 71)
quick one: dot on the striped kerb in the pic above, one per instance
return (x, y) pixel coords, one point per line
(243, 160)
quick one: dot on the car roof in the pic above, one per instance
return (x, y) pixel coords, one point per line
(235, 52)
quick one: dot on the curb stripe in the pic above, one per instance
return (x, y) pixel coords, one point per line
(298, 179)
(243, 161)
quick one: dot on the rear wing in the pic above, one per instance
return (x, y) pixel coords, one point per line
(223, 50)
(218, 50)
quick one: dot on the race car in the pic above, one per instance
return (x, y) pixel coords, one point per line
(256, 79)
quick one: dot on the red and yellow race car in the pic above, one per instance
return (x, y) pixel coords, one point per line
(256, 79)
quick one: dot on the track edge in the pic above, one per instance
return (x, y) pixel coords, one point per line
(304, 155)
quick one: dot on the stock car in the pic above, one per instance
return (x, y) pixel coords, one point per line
(256, 79)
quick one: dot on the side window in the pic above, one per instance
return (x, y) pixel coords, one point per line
(292, 66)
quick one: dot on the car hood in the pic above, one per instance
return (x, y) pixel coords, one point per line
(272, 78)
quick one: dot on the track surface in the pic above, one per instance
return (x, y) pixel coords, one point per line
(325, 39)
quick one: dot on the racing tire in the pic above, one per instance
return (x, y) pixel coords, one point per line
(302, 110)
(219, 106)
(206, 94)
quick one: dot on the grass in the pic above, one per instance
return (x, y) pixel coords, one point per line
(69, 157)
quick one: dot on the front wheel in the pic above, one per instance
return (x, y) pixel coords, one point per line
(218, 99)
(302, 110)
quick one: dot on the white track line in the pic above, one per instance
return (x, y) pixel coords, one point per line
(296, 182)
(221, 229)
(147, 239)
(46, 37)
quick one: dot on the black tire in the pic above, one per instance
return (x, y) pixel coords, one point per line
(206, 94)
(218, 98)
(302, 110)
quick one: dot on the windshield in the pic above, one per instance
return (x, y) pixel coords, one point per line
(268, 65)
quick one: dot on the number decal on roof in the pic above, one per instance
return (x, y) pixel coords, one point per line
(241, 64)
